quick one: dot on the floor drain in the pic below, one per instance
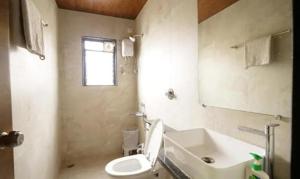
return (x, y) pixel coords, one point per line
(208, 160)
(71, 165)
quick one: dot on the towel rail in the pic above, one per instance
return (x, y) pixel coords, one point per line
(274, 35)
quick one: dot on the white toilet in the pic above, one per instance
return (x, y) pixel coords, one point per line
(139, 166)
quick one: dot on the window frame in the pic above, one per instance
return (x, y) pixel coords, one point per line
(83, 50)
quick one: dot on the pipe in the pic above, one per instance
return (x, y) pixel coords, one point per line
(270, 144)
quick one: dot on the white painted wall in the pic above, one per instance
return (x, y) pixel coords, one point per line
(262, 89)
(93, 116)
(168, 58)
(34, 90)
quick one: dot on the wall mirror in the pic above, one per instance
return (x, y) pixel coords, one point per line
(223, 80)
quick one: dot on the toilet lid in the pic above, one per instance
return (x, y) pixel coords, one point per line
(153, 143)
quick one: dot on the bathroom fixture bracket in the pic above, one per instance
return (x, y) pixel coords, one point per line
(170, 94)
(269, 134)
(147, 123)
(133, 37)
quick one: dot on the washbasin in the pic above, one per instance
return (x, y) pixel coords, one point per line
(206, 154)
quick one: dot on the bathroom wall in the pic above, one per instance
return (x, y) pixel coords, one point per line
(262, 89)
(168, 58)
(93, 116)
(34, 92)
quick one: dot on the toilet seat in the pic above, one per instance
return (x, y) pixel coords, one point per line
(129, 165)
(140, 163)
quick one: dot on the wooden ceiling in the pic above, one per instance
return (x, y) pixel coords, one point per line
(118, 8)
(130, 8)
(208, 8)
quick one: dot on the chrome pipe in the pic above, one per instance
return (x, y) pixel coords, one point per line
(270, 146)
(267, 166)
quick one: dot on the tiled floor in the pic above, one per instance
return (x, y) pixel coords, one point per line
(92, 168)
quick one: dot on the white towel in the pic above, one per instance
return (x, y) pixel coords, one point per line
(33, 28)
(258, 51)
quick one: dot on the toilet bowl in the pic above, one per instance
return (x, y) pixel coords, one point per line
(140, 165)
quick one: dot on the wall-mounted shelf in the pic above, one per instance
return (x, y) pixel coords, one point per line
(276, 116)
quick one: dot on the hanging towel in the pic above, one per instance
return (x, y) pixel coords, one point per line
(258, 51)
(33, 28)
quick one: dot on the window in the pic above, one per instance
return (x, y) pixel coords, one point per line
(99, 61)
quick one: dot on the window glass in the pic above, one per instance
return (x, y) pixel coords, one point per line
(93, 45)
(99, 62)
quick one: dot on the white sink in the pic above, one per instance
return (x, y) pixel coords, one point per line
(231, 156)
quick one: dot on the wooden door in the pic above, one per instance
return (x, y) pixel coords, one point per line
(6, 155)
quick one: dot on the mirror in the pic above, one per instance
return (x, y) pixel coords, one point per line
(223, 79)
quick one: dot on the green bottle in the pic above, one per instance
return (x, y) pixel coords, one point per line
(256, 168)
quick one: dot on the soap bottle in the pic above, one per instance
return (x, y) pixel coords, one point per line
(255, 170)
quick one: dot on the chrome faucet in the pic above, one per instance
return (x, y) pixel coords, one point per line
(268, 133)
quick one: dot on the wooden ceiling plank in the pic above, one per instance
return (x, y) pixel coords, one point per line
(208, 8)
(118, 8)
(130, 8)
